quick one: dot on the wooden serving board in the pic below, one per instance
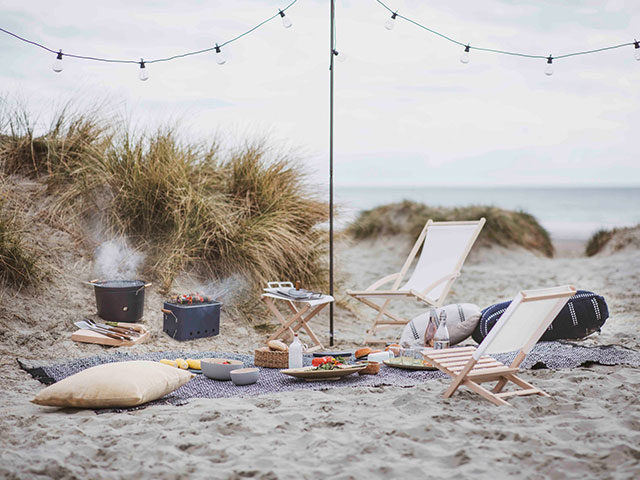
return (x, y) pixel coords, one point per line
(396, 364)
(310, 374)
(88, 336)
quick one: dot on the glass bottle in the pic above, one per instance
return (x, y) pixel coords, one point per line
(432, 326)
(295, 353)
(441, 338)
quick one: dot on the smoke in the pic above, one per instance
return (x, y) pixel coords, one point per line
(116, 260)
(230, 290)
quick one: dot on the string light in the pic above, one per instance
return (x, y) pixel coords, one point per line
(143, 75)
(286, 21)
(548, 71)
(221, 59)
(57, 66)
(341, 57)
(57, 63)
(464, 58)
(389, 24)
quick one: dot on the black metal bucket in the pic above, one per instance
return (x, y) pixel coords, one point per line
(120, 300)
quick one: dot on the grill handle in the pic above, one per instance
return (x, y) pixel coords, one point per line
(164, 310)
(146, 285)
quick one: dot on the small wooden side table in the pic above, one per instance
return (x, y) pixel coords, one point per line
(301, 312)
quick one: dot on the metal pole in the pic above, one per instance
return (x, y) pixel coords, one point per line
(331, 55)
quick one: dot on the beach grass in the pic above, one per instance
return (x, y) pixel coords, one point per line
(58, 150)
(18, 263)
(243, 213)
(189, 205)
(612, 240)
(503, 227)
(597, 241)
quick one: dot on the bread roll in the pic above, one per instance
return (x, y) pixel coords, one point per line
(277, 345)
(362, 352)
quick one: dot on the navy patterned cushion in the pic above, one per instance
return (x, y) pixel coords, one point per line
(583, 314)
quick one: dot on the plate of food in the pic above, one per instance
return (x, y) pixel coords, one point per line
(324, 368)
(398, 363)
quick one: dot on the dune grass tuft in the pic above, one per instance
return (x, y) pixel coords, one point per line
(244, 213)
(597, 241)
(614, 240)
(57, 152)
(18, 264)
(503, 227)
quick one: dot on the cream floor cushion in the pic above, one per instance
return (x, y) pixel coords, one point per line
(120, 384)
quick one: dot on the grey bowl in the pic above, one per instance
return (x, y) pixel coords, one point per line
(216, 369)
(245, 376)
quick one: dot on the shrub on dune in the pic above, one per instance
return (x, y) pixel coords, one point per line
(191, 206)
(188, 204)
(597, 241)
(503, 227)
(611, 241)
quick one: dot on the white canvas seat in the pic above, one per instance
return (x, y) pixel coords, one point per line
(445, 246)
(518, 330)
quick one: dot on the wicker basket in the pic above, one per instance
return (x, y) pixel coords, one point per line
(271, 359)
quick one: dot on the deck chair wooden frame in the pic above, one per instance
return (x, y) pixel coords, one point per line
(469, 366)
(384, 318)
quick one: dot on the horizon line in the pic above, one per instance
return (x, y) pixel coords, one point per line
(483, 186)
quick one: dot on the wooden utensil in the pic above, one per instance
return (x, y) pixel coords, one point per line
(87, 326)
(90, 336)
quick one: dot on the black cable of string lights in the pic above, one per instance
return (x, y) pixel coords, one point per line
(467, 47)
(216, 47)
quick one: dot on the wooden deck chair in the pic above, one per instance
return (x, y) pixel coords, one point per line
(445, 246)
(519, 329)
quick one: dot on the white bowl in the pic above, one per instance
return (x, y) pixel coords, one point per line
(219, 368)
(245, 376)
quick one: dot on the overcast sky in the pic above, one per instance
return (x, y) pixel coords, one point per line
(406, 112)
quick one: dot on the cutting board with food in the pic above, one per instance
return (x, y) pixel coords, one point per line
(115, 334)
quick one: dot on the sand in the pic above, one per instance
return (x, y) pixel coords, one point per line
(589, 428)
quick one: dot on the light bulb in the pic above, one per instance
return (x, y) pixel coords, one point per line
(636, 51)
(143, 75)
(286, 21)
(221, 59)
(389, 24)
(464, 58)
(341, 57)
(57, 63)
(548, 71)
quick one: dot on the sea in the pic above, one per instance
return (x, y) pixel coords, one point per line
(568, 213)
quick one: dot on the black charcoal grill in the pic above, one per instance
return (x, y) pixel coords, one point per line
(191, 321)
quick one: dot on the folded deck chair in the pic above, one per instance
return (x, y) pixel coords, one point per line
(445, 246)
(519, 329)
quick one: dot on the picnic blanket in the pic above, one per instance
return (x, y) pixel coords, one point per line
(553, 355)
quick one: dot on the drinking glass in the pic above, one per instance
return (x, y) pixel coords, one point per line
(405, 356)
(417, 357)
